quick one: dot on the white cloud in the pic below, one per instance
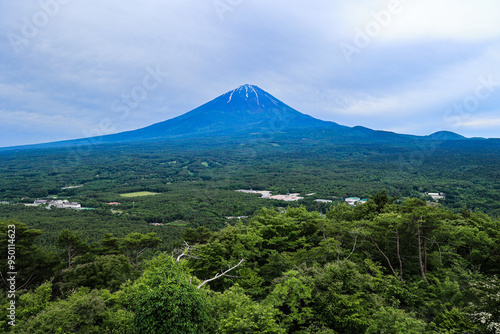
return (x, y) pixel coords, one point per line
(447, 19)
(478, 122)
(425, 19)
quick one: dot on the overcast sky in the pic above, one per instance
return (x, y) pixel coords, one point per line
(72, 69)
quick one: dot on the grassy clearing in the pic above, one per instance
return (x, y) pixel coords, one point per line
(139, 194)
(178, 223)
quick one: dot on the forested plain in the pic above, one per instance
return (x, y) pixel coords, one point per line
(401, 263)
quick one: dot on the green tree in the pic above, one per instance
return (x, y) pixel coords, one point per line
(33, 264)
(109, 245)
(387, 234)
(394, 321)
(84, 311)
(292, 296)
(344, 298)
(165, 301)
(33, 302)
(105, 272)
(73, 245)
(484, 311)
(236, 312)
(135, 244)
(200, 235)
(455, 321)
(381, 199)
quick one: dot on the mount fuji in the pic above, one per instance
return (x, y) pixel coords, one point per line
(248, 112)
(242, 111)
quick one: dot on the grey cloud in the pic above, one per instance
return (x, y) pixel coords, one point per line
(89, 54)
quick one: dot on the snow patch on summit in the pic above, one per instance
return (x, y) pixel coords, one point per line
(248, 88)
(230, 96)
(256, 95)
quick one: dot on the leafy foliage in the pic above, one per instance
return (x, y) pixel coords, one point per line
(165, 301)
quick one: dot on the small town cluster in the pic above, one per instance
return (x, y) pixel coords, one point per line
(353, 201)
(267, 194)
(59, 204)
(293, 197)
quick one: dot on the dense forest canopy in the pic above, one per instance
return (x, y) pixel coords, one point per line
(467, 172)
(379, 267)
(221, 261)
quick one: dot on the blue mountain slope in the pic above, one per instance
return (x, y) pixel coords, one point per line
(249, 112)
(247, 109)
(446, 135)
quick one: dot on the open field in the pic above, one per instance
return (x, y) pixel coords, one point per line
(139, 194)
(181, 224)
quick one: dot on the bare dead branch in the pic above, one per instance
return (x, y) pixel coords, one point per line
(337, 247)
(27, 282)
(4, 281)
(434, 242)
(420, 260)
(353, 247)
(186, 252)
(381, 252)
(220, 275)
(231, 276)
(19, 287)
(399, 256)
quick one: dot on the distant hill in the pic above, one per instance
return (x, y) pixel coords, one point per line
(446, 135)
(249, 112)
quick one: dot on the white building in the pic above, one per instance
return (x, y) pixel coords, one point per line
(267, 194)
(355, 201)
(60, 204)
(352, 200)
(323, 200)
(436, 196)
